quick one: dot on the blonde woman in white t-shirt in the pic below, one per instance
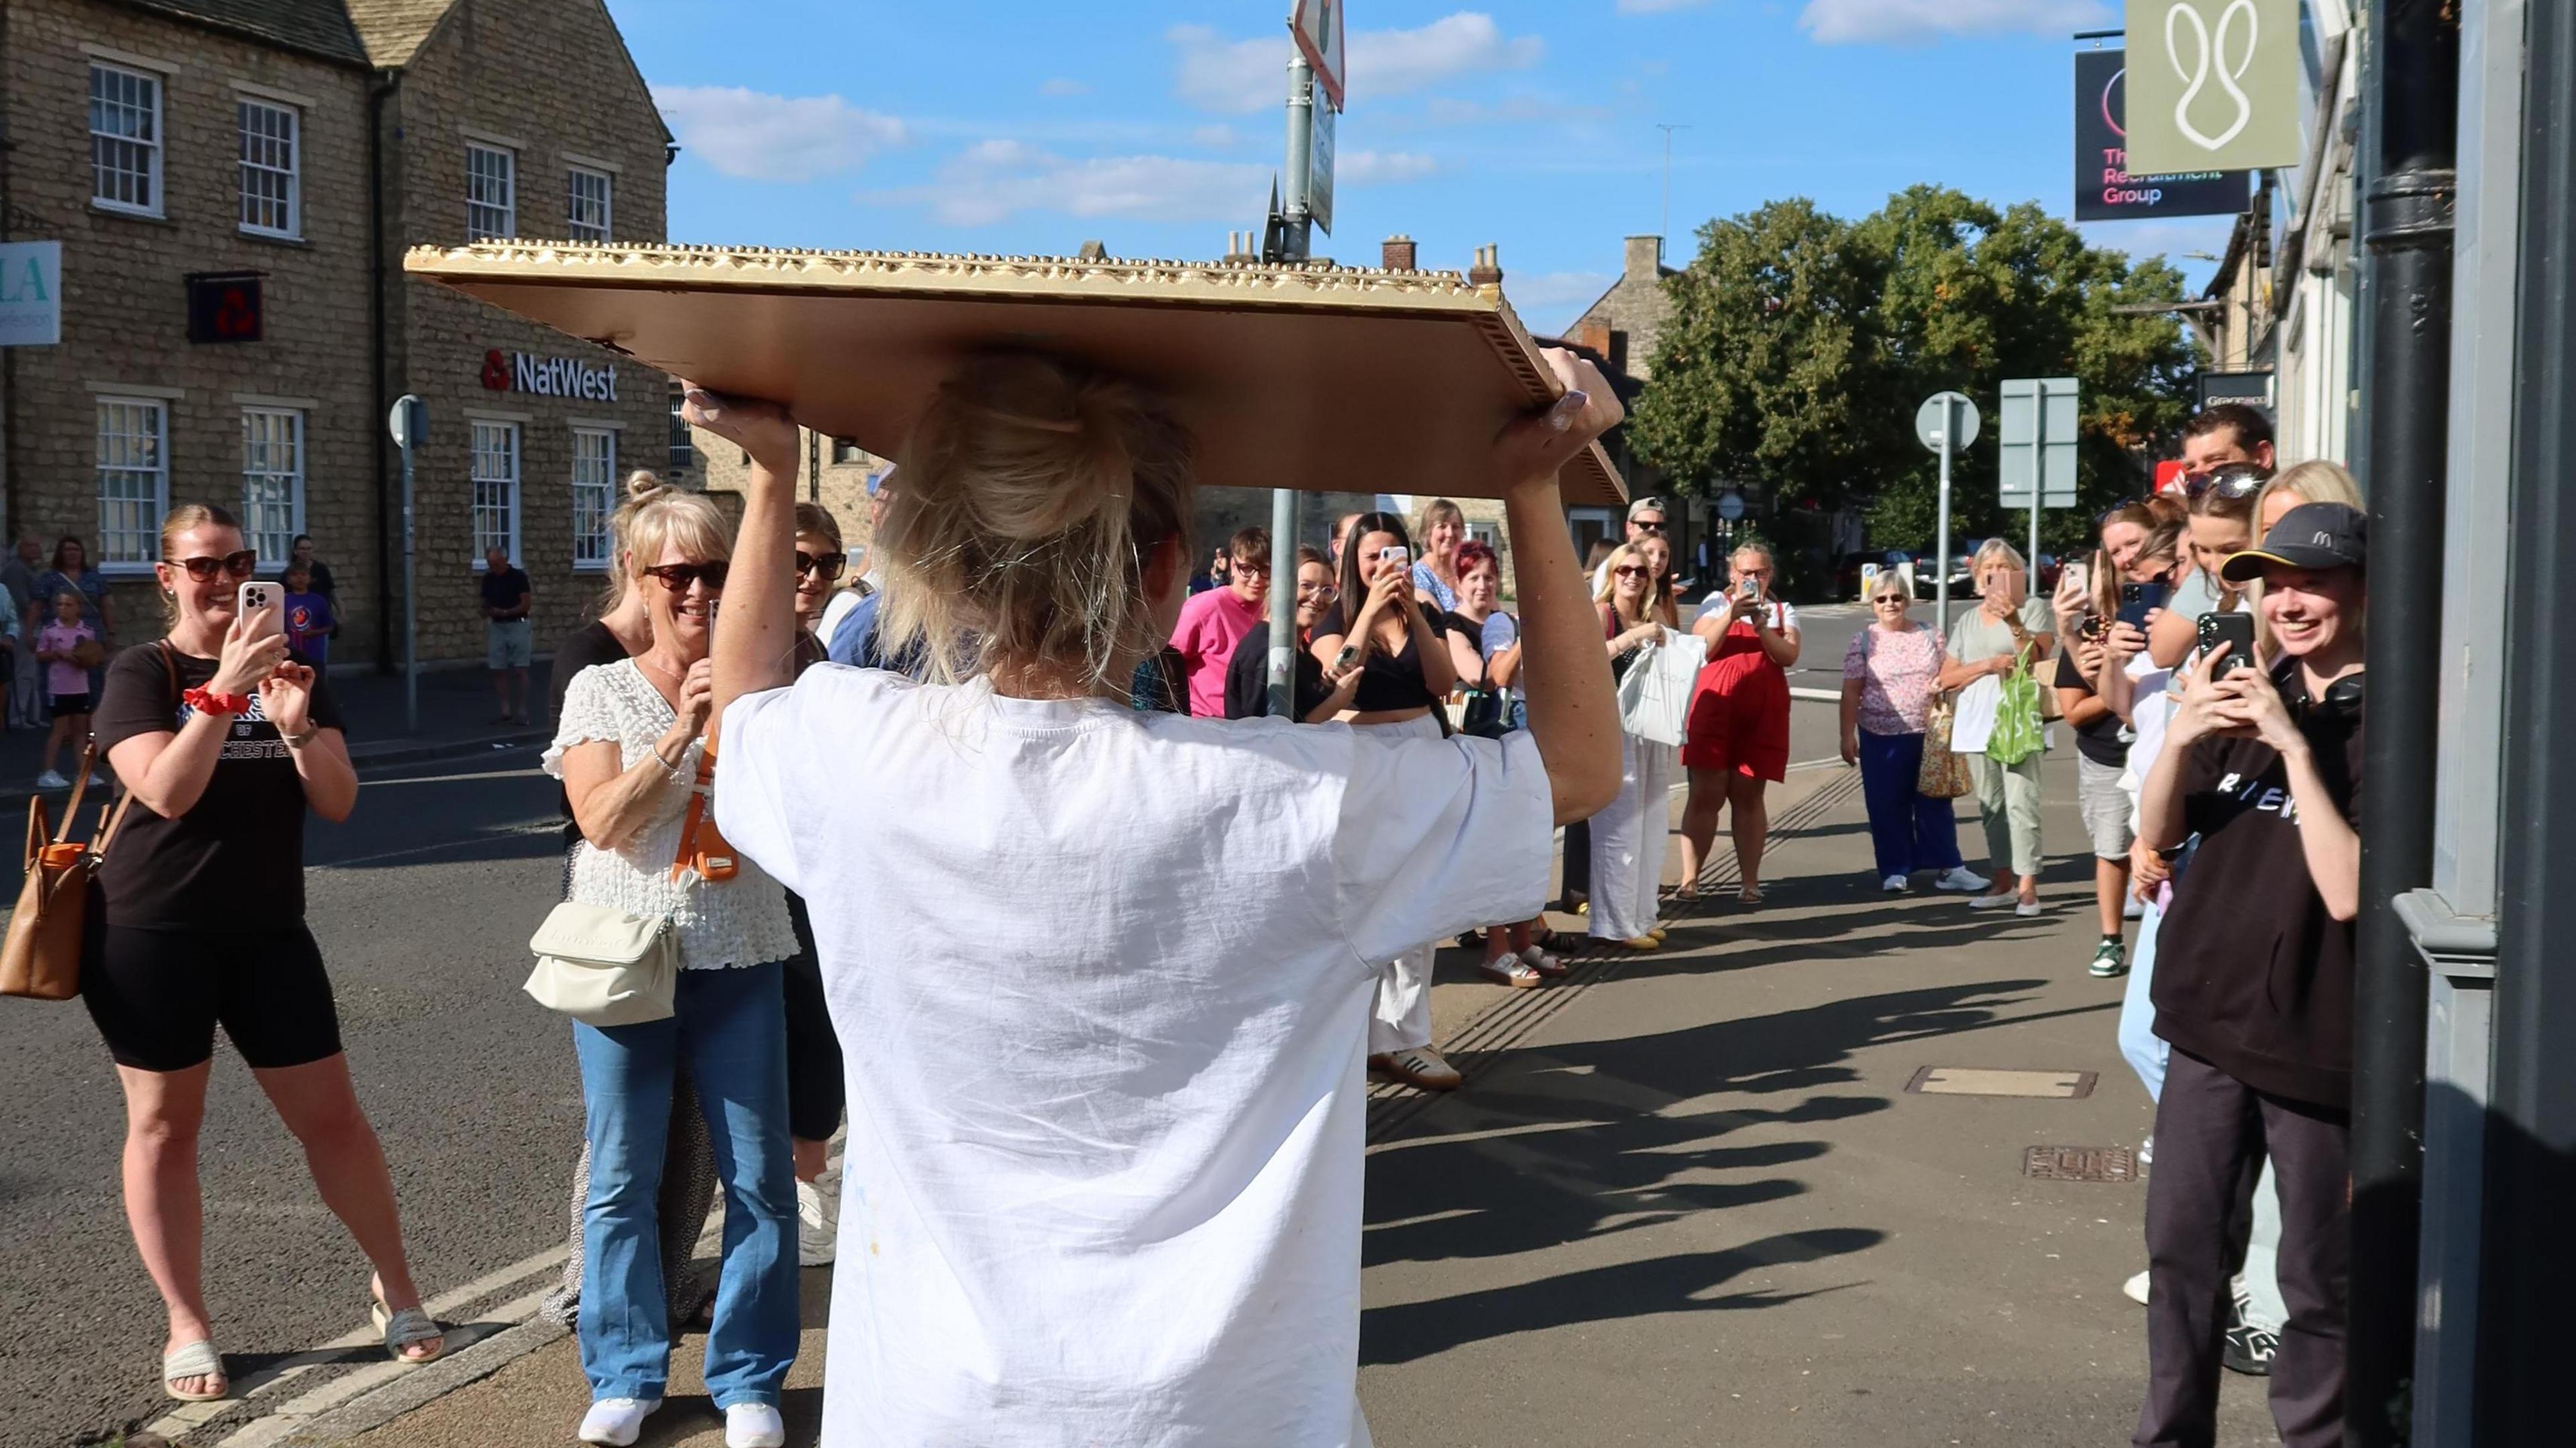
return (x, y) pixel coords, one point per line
(1102, 978)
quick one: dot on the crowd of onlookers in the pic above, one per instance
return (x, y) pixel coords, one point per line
(2207, 659)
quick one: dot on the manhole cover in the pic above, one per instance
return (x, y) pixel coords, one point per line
(1977, 1081)
(2079, 1164)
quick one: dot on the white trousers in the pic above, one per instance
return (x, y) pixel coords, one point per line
(1400, 1017)
(1629, 838)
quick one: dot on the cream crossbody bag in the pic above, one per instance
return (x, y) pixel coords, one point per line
(604, 967)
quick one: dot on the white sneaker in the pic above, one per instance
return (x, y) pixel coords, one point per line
(818, 1227)
(1893, 884)
(2027, 908)
(615, 1422)
(1996, 901)
(52, 779)
(1960, 878)
(754, 1425)
(2135, 1289)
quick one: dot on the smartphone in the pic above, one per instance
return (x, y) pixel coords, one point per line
(2077, 576)
(256, 597)
(2233, 629)
(1750, 590)
(2092, 627)
(1394, 553)
(2137, 600)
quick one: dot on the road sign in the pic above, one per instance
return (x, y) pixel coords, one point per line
(2039, 428)
(1319, 168)
(2214, 85)
(408, 421)
(1929, 423)
(31, 293)
(1731, 506)
(1318, 26)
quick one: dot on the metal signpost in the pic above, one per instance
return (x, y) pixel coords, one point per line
(2037, 469)
(1946, 422)
(1315, 73)
(409, 423)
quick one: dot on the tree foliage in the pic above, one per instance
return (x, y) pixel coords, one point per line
(1799, 346)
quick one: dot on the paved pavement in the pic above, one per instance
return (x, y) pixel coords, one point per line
(1686, 1197)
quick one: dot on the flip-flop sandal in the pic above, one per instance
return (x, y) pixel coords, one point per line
(1546, 963)
(402, 1329)
(1749, 895)
(1519, 974)
(194, 1360)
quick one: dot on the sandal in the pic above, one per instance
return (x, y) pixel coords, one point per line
(1512, 971)
(402, 1329)
(1546, 964)
(194, 1360)
(1749, 895)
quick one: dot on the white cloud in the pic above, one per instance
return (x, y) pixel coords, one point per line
(1381, 168)
(1061, 86)
(1242, 76)
(1845, 22)
(994, 180)
(1217, 137)
(775, 138)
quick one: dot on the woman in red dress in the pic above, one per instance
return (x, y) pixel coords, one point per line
(1737, 739)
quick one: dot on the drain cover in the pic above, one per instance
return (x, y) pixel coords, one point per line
(1977, 1081)
(2079, 1164)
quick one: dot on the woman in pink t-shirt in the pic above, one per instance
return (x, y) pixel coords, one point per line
(67, 681)
(1890, 674)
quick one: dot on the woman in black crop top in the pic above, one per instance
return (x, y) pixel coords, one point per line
(1408, 663)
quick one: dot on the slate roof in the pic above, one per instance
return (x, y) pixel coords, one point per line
(313, 27)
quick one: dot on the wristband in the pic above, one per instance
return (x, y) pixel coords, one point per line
(298, 741)
(206, 701)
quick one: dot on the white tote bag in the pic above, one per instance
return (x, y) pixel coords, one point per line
(604, 967)
(1654, 699)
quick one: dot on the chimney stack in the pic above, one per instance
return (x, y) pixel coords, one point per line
(1396, 253)
(1593, 334)
(1645, 258)
(1488, 270)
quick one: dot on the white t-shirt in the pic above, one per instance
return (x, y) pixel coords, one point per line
(1102, 980)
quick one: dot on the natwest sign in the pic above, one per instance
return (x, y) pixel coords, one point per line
(548, 376)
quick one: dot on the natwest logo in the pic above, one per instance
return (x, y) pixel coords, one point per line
(548, 376)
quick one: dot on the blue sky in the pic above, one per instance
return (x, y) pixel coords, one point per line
(1018, 127)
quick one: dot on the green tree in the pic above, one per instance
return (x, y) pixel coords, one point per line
(1799, 346)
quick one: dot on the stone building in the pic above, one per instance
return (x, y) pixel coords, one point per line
(832, 471)
(234, 182)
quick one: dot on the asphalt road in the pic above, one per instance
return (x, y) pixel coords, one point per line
(423, 903)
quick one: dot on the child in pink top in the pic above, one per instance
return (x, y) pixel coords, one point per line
(66, 679)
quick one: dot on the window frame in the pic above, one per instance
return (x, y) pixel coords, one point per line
(475, 507)
(293, 171)
(148, 530)
(252, 534)
(605, 487)
(157, 147)
(683, 453)
(508, 206)
(575, 229)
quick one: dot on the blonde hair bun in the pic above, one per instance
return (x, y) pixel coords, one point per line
(642, 486)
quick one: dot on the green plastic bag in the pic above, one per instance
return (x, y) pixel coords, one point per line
(2017, 723)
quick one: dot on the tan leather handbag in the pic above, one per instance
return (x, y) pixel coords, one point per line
(41, 957)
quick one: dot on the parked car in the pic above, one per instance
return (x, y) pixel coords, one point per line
(1847, 568)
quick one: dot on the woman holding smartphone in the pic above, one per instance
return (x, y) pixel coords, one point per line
(1174, 920)
(1408, 661)
(225, 746)
(1513, 954)
(1736, 744)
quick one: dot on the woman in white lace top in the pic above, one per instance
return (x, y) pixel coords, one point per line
(628, 749)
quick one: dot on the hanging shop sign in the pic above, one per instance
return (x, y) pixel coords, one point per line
(548, 376)
(2214, 84)
(2106, 189)
(31, 293)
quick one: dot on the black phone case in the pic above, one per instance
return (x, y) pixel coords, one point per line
(2218, 628)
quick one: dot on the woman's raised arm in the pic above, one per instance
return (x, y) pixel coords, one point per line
(755, 642)
(1573, 712)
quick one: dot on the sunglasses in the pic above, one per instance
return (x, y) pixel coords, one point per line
(237, 565)
(678, 576)
(829, 565)
(1628, 570)
(1642, 526)
(1891, 598)
(2228, 480)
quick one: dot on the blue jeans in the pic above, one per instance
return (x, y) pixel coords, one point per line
(1908, 831)
(2145, 1050)
(731, 1028)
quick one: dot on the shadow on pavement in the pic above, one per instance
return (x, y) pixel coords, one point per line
(1582, 1140)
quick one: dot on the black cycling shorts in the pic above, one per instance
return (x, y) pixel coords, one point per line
(157, 996)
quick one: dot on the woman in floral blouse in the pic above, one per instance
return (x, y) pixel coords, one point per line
(1890, 676)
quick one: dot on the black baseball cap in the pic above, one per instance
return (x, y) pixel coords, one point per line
(2313, 536)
